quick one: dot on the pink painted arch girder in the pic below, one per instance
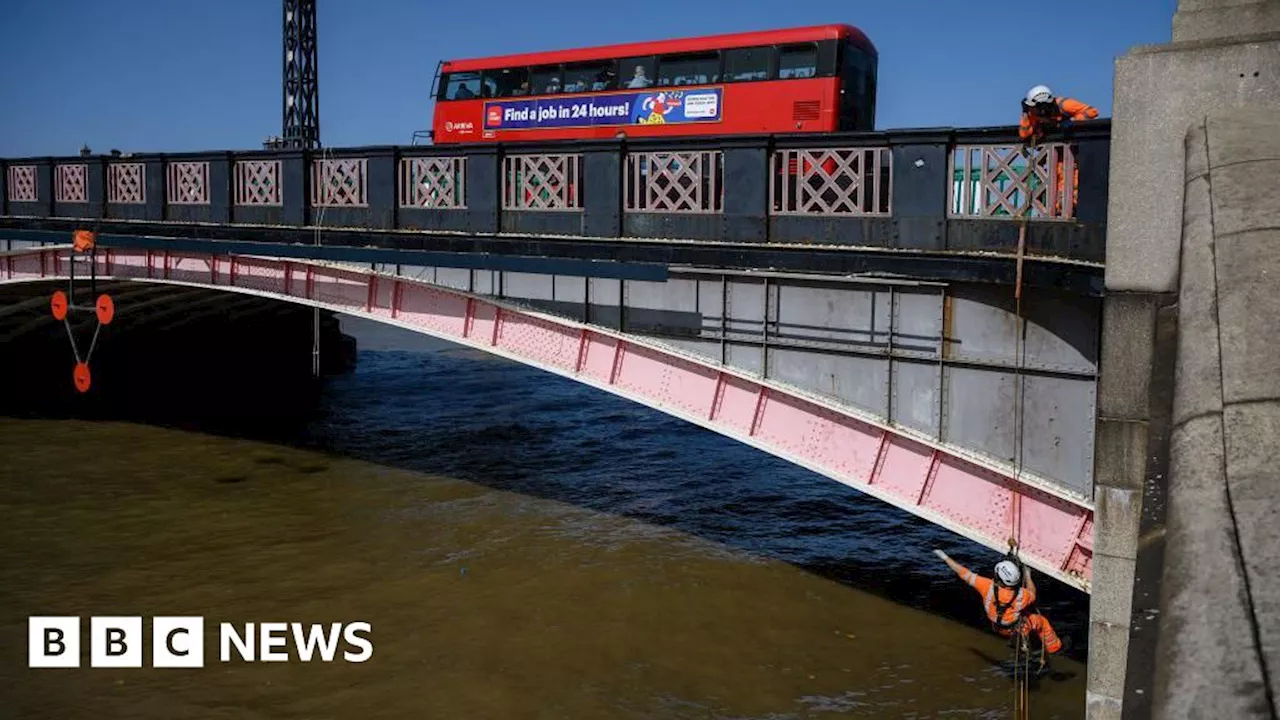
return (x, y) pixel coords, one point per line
(943, 485)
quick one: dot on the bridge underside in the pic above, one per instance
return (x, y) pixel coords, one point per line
(979, 498)
(182, 356)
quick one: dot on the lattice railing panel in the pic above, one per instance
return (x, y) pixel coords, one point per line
(340, 182)
(187, 183)
(257, 182)
(541, 182)
(71, 183)
(675, 182)
(841, 181)
(127, 183)
(1012, 182)
(21, 183)
(433, 182)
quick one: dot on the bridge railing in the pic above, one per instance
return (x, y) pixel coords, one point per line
(945, 189)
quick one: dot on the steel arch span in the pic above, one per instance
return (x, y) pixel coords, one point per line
(943, 485)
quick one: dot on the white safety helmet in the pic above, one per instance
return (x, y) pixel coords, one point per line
(1039, 94)
(1008, 574)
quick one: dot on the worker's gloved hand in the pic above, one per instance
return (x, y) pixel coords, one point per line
(940, 554)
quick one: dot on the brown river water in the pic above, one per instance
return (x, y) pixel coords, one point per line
(548, 554)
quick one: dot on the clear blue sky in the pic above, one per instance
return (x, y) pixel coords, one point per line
(166, 76)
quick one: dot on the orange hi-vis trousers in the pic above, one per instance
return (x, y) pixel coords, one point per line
(1038, 624)
(1075, 188)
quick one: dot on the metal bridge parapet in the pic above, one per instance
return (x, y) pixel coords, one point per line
(939, 190)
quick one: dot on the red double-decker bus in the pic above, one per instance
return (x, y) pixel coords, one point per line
(812, 79)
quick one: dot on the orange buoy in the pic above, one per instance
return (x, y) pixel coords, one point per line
(81, 377)
(105, 308)
(59, 304)
(84, 240)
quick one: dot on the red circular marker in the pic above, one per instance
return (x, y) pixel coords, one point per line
(59, 304)
(81, 376)
(105, 308)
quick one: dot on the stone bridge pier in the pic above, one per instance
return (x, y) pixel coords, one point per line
(1186, 597)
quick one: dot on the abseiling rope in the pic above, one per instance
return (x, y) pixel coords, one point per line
(1021, 656)
(315, 316)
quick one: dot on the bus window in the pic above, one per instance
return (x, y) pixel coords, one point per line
(636, 72)
(546, 80)
(507, 82)
(460, 86)
(747, 64)
(590, 77)
(693, 69)
(857, 89)
(869, 101)
(797, 61)
(852, 89)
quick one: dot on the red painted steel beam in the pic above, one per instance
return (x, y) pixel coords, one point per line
(941, 484)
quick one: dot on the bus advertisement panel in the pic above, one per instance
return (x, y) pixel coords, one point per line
(665, 107)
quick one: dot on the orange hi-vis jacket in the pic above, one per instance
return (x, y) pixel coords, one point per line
(1068, 109)
(1006, 606)
(996, 597)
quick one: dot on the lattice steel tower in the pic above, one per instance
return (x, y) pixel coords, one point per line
(301, 70)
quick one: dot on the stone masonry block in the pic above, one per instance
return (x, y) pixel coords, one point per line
(1197, 148)
(1101, 707)
(1248, 277)
(1241, 136)
(1117, 512)
(1245, 195)
(1159, 93)
(1205, 668)
(1120, 458)
(1108, 658)
(1112, 598)
(1226, 19)
(1253, 459)
(1128, 336)
(1198, 372)
(1196, 5)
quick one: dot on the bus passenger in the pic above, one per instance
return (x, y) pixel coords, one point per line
(605, 80)
(639, 81)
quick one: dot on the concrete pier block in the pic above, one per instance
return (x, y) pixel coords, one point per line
(1220, 599)
(1159, 93)
(1128, 336)
(1116, 515)
(1120, 458)
(1207, 666)
(1216, 19)
(1108, 655)
(1117, 574)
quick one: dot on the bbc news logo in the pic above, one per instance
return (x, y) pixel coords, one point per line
(178, 642)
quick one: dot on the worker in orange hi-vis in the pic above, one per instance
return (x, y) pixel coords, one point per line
(1042, 111)
(1006, 600)
(84, 240)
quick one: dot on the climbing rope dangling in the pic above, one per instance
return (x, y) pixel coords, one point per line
(1022, 650)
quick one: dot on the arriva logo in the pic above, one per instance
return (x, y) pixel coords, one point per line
(458, 127)
(178, 642)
